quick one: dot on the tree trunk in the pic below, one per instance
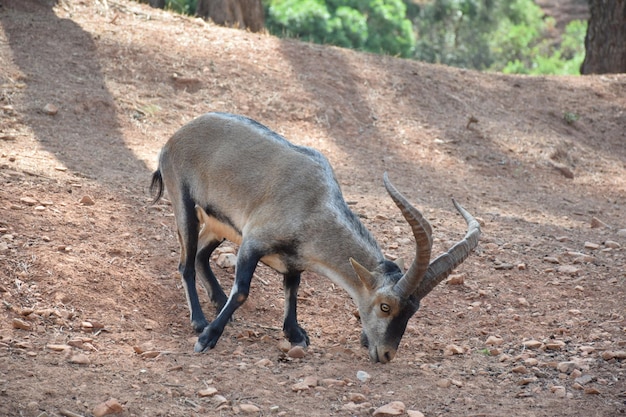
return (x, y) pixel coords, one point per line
(605, 43)
(242, 14)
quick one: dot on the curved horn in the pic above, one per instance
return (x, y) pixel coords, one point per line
(441, 267)
(422, 232)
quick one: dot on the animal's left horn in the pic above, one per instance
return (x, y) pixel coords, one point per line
(422, 232)
(440, 268)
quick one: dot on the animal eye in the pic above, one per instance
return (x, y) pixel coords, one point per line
(385, 308)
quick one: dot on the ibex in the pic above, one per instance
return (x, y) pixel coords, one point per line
(229, 177)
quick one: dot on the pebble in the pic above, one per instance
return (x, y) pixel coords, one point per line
(80, 359)
(555, 345)
(558, 390)
(592, 391)
(249, 408)
(568, 270)
(444, 383)
(363, 376)
(597, 223)
(414, 413)
(532, 344)
(551, 259)
(453, 350)
(296, 352)
(520, 369)
(612, 244)
(523, 302)
(356, 397)
(21, 324)
(591, 245)
(226, 260)
(50, 109)
(263, 363)
(456, 279)
(284, 345)
(494, 341)
(87, 201)
(394, 408)
(111, 406)
(607, 355)
(584, 379)
(58, 348)
(207, 392)
(29, 201)
(621, 232)
(566, 367)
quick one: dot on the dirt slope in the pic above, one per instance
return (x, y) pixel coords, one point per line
(90, 90)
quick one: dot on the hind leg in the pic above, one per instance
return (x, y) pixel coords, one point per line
(209, 281)
(291, 329)
(188, 226)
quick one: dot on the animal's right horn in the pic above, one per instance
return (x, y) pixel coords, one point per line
(440, 268)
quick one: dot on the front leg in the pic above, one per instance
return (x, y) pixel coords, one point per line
(291, 329)
(247, 260)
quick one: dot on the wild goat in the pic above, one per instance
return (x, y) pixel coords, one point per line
(229, 177)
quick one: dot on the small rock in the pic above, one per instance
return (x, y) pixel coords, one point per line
(551, 259)
(21, 324)
(555, 345)
(414, 413)
(50, 109)
(219, 400)
(111, 406)
(356, 397)
(249, 408)
(531, 362)
(263, 363)
(284, 345)
(592, 246)
(58, 348)
(520, 369)
(226, 260)
(29, 201)
(296, 352)
(523, 302)
(207, 392)
(597, 223)
(494, 341)
(584, 379)
(363, 376)
(453, 350)
(521, 267)
(456, 279)
(444, 383)
(566, 367)
(621, 232)
(607, 355)
(394, 408)
(568, 270)
(558, 390)
(532, 344)
(592, 391)
(80, 359)
(87, 201)
(612, 244)
(504, 266)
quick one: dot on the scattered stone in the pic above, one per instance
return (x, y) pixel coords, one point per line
(505, 266)
(263, 363)
(584, 379)
(558, 390)
(58, 348)
(494, 341)
(456, 279)
(528, 380)
(330, 382)
(444, 383)
(249, 408)
(566, 367)
(531, 362)
(111, 406)
(520, 369)
(532, 344)
(597, 223)
(87, 201)
(551, 259)
(521, 267)
(29, 201)
(21, 324)
(219, 400)
(356, 397)
(414, 413)
(621, 232)
(592, 246)
(612, 244)
(296, 352)
(562, 238)
(579, 288)
(607, 355)
(523, 302)
(592, 391)
(284, 345)
(555, 345)
(394, 408)
(50, 109)
(568, 270)
(226, 260)
(453, 350)
(80, 359)
(363, 376)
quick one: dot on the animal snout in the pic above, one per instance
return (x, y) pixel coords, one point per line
(383, 355)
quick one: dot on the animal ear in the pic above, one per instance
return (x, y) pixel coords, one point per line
(364, 275)
(400, 263)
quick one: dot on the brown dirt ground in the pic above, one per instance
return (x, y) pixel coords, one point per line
(124, 77)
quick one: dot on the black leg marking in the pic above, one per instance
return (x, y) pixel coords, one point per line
(291, 329)
(208, 279)
(188, 234)
(247, 260)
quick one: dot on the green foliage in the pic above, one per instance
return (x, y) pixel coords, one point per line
(509, 36)
(376, 25)
(182, 6)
